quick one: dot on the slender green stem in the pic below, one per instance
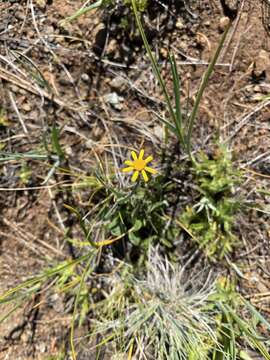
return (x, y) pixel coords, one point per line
(154, 63)
(178, 111)
(202, 87)
(83, 11)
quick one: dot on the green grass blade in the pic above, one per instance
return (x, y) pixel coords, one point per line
(83, 10)
(10, 312)
(167, 123)
(251, 337)
(202, 87)
(154, 64)
(55, 142)
(257, 315)
(32, 69)
(176, 86)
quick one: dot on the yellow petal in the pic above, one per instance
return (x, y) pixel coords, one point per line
(128, 169)
(134, 155)
(141, 154)
(148, 159)
(128, 162)
(145, 176)
(135, 176)
(150, 170)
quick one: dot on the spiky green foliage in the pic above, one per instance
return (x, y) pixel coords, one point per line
(212, 218)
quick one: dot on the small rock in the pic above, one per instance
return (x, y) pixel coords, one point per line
(170, 25)
(164, 53)
(114, 100)
(89, 144)
(111, 98)
(49, 30)
(22, 92)
(55, 301)
(201, 40)
(257, 89)
(118, 83)
(262, 64)
(68, 150)
(14, 88)
(85, 77)
(179, 25)
(26, 107)
(20, 15)
(223, 22)
(183, 45)
(42, 348)
(112, 46)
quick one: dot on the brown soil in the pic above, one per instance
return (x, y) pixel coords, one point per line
(104, 93)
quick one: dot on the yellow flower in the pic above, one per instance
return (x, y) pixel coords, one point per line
(139, 165)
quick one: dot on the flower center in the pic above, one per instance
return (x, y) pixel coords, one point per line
(139, 164)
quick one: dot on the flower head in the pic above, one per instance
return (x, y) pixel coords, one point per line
(139, 165)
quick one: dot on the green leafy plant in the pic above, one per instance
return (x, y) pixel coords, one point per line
(60, 356)
(137, 214)
(212, 218)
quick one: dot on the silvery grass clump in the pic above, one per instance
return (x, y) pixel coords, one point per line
(163, 316)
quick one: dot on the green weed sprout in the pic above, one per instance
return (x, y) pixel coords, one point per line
(212, 218)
